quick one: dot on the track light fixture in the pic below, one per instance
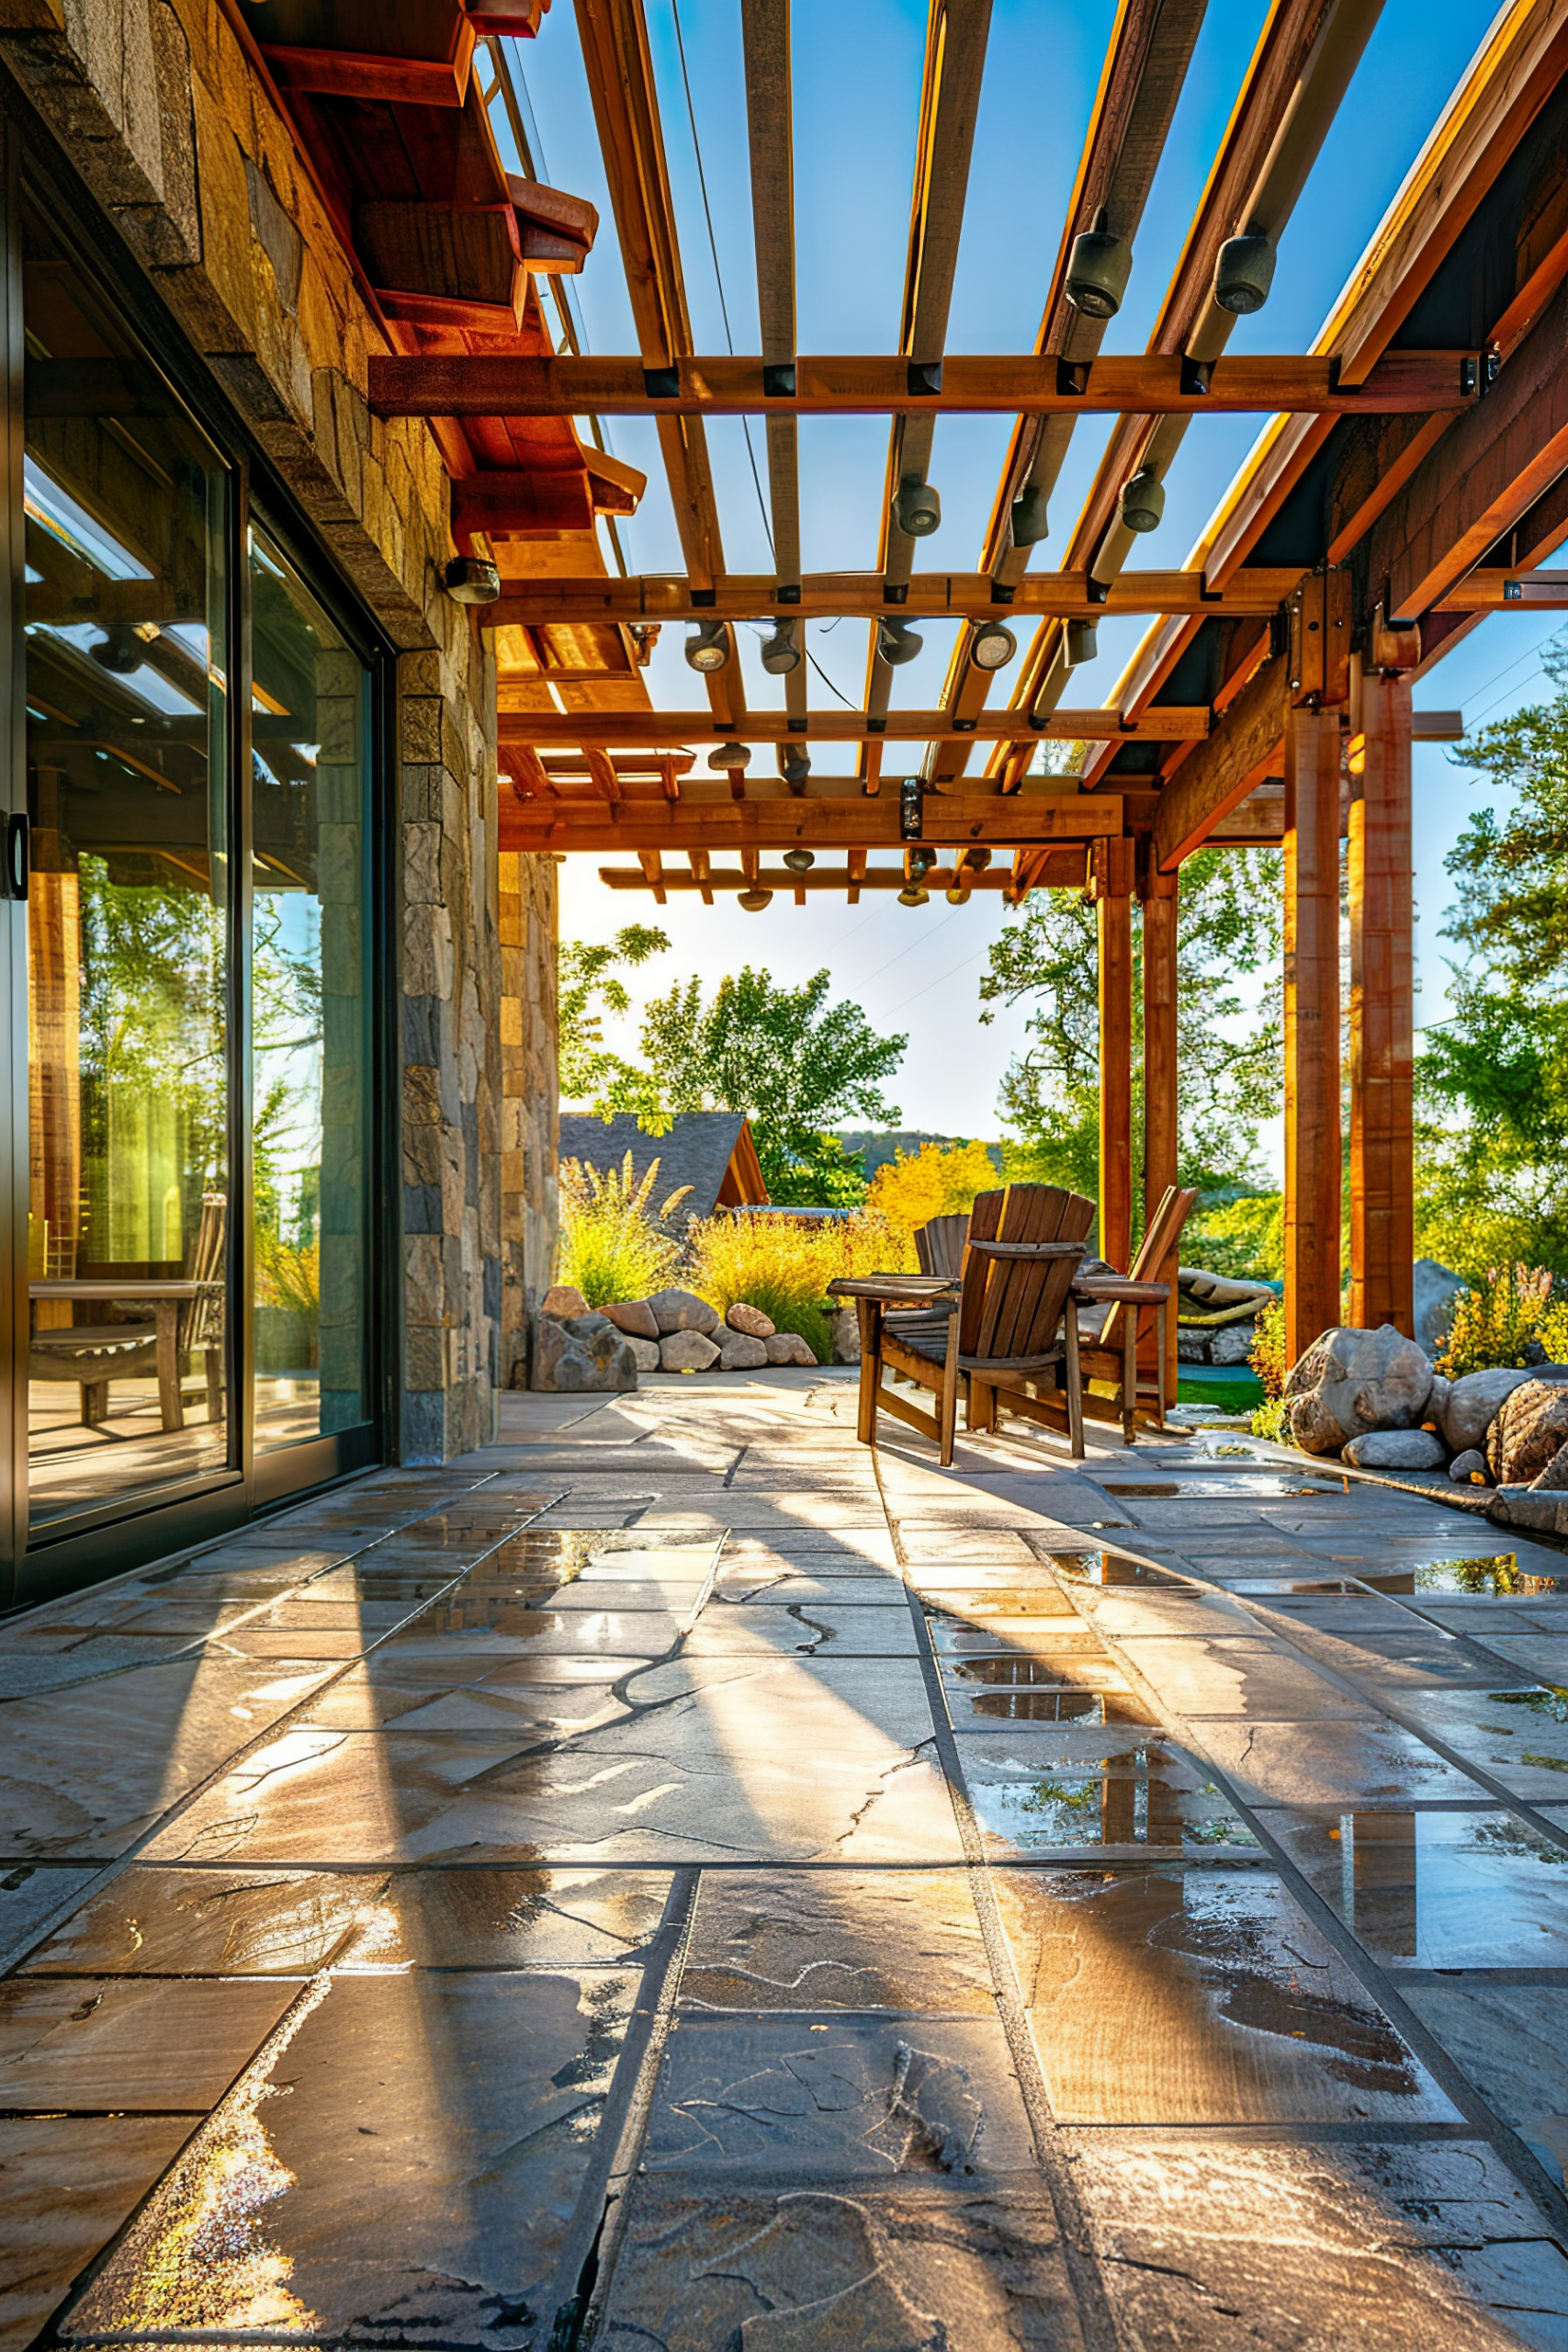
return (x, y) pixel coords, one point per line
(1142, 501)
(955, 893)
(921, 861)
(992, 646)
(707, 646)
(1097, 269)
(897, 642)
(795, 766)
(780, 652)
(730, 757)
(1029, 525)
(470, 579)
(976, 859)
(800, 861)
(1244, 271)
(120, 651)
(911, 895)
(754, 900)
(1083, 643)
(917, 508)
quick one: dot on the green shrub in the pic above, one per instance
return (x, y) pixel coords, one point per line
(610, 1246)
(1245, 1238)
(1270, 1421)
(785, 1268)
(1267, 1355)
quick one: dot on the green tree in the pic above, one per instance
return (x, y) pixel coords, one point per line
(1229, 1060)
(589, 985)
(1493, 1076)
(794, 1063)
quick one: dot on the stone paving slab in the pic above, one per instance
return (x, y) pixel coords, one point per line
(680, 1882)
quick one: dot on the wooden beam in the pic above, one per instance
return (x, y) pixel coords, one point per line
(1219, 775)
(1066, 872)
(1111, 873)
(1483, 475)
(997, 819)
(1490, 591)
(1161, 1140)
(1379, 861)
(831, 595)
(370, 77)
(483, 384)
(636, 729)
(1312, 1026)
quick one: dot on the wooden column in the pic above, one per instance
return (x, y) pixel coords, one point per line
(1110, 886)
(1160, 1140)
(1382, 1013)
(1312, 1025)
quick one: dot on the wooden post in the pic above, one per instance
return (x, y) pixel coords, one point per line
(1111, 884)
(1382, 1013)
(1312, 1025)
(1160, 1141)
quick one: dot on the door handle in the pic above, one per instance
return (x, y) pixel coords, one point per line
(17, 859)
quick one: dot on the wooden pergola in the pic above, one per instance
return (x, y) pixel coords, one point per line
(1410, 478)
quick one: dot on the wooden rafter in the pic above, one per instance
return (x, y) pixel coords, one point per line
(931, 596)
(614, 730)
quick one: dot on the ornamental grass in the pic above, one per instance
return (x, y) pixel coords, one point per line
(610, 1245)
(785, 1267)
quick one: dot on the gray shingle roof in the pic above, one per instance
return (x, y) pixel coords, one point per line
(695, 1151)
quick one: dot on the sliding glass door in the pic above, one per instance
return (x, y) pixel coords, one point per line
(190, 895)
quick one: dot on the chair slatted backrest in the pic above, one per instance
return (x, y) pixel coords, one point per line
(939, 1245)
(1156, 1250)
(201, 1318)
(1012, 1306)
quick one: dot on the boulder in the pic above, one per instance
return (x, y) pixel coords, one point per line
(687, 1352)
(739, 1351)
(1351, 1380)
(1467, 1466)
(681, 1310)
(1436, 1288)
(1396, 1450)
(1232, 1342)
(1530, 1424)
(1437, 1402)
(565, 1300)
(1553, 1479)
(635, 1318)
(788, 1346)
(581, 1354)
(1192, 1347)
(845, 1329)
(750, 1321)
(645, 1354)
(1543, 1512)
(1470, 1403)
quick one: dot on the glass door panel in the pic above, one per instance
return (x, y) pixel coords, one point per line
(129, 921)
(310, 694)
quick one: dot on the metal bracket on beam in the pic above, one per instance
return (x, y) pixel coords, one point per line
(778, 382)
(897, 595)
(790, 595)
(1196, 377)
(876, 727)
(662, 383)
(925, 379)
(704, 598)
(911, 808)
(1072, 379)
(1470, 378)
(1001, 594)
(799, 726)
(1097, 591)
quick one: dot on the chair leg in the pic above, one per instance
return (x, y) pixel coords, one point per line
(214, 1359)
(870, 1368)
(1159, 1338)
(95, 1404)
(947, 1407)
(1075, 1385)
(1130, 1377)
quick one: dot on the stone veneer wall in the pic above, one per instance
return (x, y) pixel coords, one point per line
(530, 1101)
(160, 112)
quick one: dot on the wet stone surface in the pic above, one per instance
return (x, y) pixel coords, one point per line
(379, 1887)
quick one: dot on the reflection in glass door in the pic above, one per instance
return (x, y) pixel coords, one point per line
(128, 918)
(310, 1009)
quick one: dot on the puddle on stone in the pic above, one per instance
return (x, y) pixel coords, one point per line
(1086, 1671)
(1020, 1813)
(1489, 1576)
(1319, 1584)
(1113, 1567)
(1014, 1702)
(1226, 1484)
(1436, 1889)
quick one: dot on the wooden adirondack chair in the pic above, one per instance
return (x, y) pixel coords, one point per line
(1126, 1352)
(1024, 1247)
(939, 1245)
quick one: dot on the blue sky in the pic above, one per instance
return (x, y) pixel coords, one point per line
(857, 80)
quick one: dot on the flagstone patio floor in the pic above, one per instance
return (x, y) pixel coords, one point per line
(676, 1881)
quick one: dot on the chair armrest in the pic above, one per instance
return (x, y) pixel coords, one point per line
(1120, 1290)
(1027, 1248)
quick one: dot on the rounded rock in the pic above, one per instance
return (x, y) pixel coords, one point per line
(681, 1310)
(1472, 1403)
(1531, 1423)
(1396, 1450)
(1467, 1466)
(564, 1301)
(635, 1318)
(687, 1352)
(788, 1346)
(741, 1353)
(1350, 1381)
(750, 1321)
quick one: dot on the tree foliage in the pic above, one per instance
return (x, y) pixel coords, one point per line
(1492, 1155)
(1229, 1058)
(588, 986)
(795, 1062)
(938, 1179)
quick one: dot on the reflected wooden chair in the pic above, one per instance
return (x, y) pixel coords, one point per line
(93, 1354)
(1122, 1326)
(1024, 1246)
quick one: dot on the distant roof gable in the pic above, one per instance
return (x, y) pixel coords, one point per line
(710, 1150)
